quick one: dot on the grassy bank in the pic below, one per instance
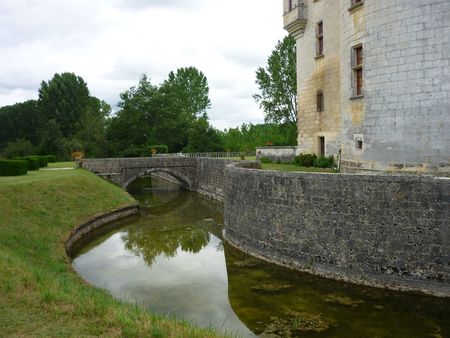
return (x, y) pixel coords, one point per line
(40, 295)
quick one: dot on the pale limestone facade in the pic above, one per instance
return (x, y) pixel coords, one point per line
(401, 120)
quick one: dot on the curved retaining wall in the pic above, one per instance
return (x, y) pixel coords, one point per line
(83, 230)
(377, 230)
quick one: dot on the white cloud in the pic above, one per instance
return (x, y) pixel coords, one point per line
(110, 43)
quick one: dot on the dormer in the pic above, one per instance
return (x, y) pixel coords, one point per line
(294, 17)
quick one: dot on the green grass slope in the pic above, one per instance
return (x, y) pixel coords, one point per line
(40, 295)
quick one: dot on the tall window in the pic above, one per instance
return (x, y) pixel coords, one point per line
(290, 4)
(357, 66)
(319, 39)
(321, 146)
(319, 102)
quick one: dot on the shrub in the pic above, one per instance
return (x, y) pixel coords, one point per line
(324, 162)
(159, 149)
(51, 158)
(18, 148)
(33, 162)
(43, 161)
(265, 160)
(13, 167)
(305, 160)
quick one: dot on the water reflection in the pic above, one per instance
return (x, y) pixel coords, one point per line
(172, 260)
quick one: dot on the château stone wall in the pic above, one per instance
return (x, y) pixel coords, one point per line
(388, 231)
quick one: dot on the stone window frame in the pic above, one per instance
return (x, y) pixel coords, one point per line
(319, 39)
(357, 71)
(355, 4)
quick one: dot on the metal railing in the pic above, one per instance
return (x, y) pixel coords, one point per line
(225, 154)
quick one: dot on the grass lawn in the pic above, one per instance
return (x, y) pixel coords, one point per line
(293, 167)
(62, 165)
(40, 294)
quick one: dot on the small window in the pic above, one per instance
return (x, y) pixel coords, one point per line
(321, 146)
(319, 39)
(319, 102)
(290, 5)
(359, 141)
(357, 67)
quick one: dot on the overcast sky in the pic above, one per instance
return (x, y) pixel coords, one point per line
(110, 43)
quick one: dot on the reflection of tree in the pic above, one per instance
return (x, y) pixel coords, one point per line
(149, 242)
(179, 220)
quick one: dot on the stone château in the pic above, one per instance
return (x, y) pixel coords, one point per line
(374, 81)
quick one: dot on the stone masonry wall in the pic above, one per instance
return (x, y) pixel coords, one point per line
(404, 116)
(211, 176)
(378, 230)
(319, 74)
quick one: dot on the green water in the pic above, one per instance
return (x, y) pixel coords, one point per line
(172, 260)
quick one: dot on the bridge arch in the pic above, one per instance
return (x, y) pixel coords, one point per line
(185, 181)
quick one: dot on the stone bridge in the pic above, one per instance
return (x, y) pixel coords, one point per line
(123, 171)
(204, 175)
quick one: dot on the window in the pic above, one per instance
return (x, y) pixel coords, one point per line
(319, 102)
(357, 66)
(359, 140)
(319, 39)
(290, 5)
(321, 146)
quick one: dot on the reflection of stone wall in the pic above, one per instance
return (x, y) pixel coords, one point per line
(388, 231)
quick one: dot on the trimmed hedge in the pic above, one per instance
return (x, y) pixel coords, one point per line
(33, 162)
(13, 167)
(43, 161)
(51, 158)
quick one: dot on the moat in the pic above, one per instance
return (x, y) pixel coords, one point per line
(172, 260)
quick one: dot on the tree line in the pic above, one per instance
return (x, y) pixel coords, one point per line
(66, 118)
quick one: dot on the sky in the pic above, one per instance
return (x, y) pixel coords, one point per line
(111, 43)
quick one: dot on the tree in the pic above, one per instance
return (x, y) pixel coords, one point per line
(203, 137)
(159, 115)
(65, 98)
(19, 122)
(278, 84)
(187, 92)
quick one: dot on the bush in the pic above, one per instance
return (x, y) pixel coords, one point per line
(18, 148)
(13, 167)
(305, 160)
(265, 160)
(159, 149)
(33, 162)
(324, 162)
(43, 161)
(51, 158)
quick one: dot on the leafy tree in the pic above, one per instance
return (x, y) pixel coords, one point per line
(159, 115)
(203, 137)
(129, 131)
(187, 92)
(18, 148)
(65, 98)
(19, 122)
(249, 136)
(278, 84)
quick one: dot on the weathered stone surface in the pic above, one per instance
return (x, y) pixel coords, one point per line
(379, 230)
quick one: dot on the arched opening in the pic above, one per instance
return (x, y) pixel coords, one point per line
(164, 173)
